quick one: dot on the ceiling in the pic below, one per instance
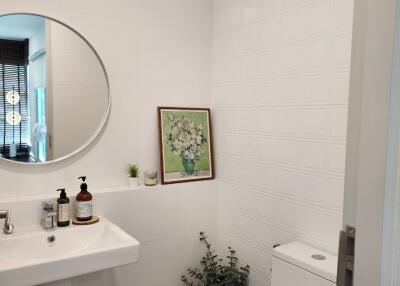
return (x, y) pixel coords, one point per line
(20, 26)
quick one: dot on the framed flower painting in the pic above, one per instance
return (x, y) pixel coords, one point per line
(186, 149)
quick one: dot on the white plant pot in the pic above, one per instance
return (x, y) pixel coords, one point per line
(133, 182)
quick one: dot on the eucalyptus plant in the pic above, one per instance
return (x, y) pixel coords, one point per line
(213, 270)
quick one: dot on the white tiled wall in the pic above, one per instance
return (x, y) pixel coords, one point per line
(279, 83)
(156, 52)
(280, 89)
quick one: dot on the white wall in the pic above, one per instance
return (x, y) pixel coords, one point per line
(280, 93)
(280, 84)
(156, 52)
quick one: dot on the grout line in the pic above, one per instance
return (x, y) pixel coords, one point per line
(294, 169)
(281, 136)
(305, 203)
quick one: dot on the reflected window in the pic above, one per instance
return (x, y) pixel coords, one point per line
(14, 99)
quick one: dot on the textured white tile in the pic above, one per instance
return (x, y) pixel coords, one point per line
(265, 178)
(261, 234)
(293, 25)
(262, 261)
(336, 158)
(228, 170)
(313, 155)
(269, 32)
(225, 95)
(226, 42)
(267, 91)
(269, 64)
(247, 147)
(313, 189)
(268, 119)
(249, 68)
(246, 93)
(258, 9)
(286, 183)
(293, 58)
(227, 13)
(288, 214)
(339, 87)
(226, 120)
(257, 280)
(258, 204)
(247, 120)
(250, 37)
(226, 145)
(317, 17)
(226, 69)
(338, 122)
(317, 90)
(266, 150)
(313, 122)
(334, 193)
(341, 50)
(342, 13)
(294, 90)
(285, 152)
(294, 4)
(318, 54)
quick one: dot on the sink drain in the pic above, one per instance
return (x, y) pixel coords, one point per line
(51, 238)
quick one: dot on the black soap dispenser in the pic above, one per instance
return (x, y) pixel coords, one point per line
(63, 209)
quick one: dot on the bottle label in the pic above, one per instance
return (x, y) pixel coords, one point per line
(63, 212)
(83, 209)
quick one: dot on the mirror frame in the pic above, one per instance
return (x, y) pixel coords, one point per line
(105, 117)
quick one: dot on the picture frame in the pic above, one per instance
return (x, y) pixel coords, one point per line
(186, 144)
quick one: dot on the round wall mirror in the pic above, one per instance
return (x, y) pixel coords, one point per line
(54, 97)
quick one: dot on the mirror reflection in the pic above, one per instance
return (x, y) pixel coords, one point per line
(53, 90)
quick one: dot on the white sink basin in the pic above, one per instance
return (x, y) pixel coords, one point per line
(28, 258)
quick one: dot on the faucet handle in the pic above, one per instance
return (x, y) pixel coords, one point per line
(47, 206)
(8, 227)
(48, 215)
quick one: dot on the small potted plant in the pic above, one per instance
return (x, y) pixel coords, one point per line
(217, 271)
(133, 171)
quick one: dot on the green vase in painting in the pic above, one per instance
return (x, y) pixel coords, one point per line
(188, 165)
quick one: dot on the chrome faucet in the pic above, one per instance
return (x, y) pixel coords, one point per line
(48, 215)
(8, 228)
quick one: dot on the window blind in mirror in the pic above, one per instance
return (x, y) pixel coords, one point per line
(14, 77)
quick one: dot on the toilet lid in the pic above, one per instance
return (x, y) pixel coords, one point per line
(311, 259)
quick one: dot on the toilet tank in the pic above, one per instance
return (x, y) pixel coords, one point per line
(296, 264)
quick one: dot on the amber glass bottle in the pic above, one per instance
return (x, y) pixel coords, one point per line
(83, 202)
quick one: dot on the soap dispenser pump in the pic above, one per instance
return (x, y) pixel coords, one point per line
(84, 202)
(63, 209)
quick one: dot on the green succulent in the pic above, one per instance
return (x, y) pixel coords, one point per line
(133, 170)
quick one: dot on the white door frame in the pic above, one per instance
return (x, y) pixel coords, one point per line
(372, 139)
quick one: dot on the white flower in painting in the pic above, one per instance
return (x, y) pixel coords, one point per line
(185, 138)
